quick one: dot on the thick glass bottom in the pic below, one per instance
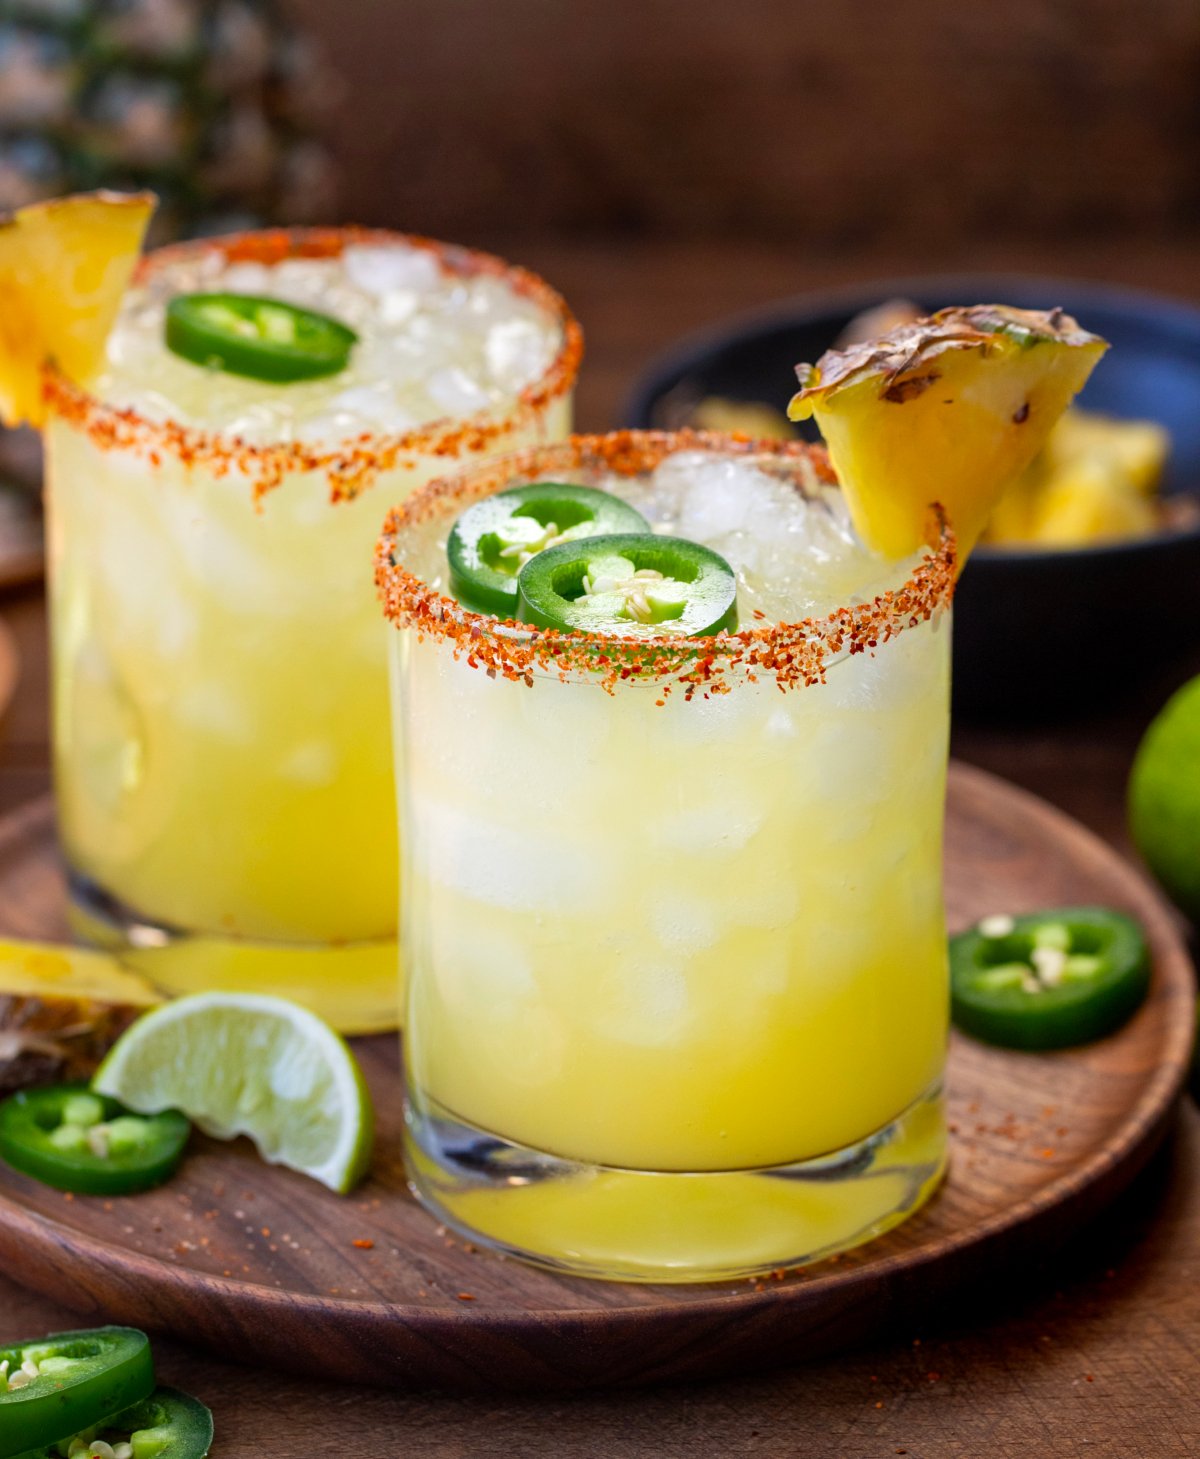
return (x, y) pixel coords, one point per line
(353, 986)
(651, 1226)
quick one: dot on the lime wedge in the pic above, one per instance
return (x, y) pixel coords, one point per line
(242, 1064)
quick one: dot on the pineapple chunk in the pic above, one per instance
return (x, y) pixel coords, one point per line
(950, 409)
(751, 418)
(1095, 481)
(1136, 450)
(61, 1010)
(1088, 502)
(64, 266)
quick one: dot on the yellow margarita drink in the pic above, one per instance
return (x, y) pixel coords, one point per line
(677, 998)
(220, 698)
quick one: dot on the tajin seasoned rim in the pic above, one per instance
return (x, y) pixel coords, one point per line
(353, 464)
(793, 654)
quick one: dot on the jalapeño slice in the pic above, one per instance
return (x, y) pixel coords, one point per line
(493, 540)
(265, 339)
(167, 1425)
(74, 1140)
(58, 1386)
(1048, 980)
(631, 584)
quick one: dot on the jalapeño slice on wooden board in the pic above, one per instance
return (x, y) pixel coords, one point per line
(264, 339)
(167, 1425)
(1049, 979)
(493, 540)
(627, 584)
(60, 1385)
(74, 1140)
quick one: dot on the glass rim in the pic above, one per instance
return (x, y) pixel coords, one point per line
(354, 463)
(795, 654)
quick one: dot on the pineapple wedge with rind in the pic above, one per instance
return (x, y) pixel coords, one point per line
(61, 1010)
(949, 409)
(64, 267)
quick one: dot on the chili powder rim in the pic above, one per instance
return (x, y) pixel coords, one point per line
(354, 463)
(793, 654)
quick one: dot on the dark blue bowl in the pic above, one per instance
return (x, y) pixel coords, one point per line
(1037, 632)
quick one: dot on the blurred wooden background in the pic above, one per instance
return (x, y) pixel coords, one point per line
(665, 164)
(833, 124)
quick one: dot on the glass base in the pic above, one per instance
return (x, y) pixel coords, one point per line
(651, 1226)
(353, 986)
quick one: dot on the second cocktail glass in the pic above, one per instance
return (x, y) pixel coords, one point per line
(220, 700)
(677, 991)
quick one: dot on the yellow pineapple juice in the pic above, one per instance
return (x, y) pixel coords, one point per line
(220, 697)
(677, 1000)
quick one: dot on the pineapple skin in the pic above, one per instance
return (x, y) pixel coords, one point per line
(55, 1040)
(61, 1010)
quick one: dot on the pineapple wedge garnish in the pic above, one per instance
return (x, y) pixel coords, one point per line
(950, 409)
(64, 266)
(61, 1010)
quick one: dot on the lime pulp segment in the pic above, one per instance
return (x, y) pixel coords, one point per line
(244, 1064)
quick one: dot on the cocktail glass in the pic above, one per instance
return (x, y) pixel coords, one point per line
(677, 985)
(220, 694)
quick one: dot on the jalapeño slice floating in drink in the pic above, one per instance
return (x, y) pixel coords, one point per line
(264, 339)
(629, 583)
(493, 540)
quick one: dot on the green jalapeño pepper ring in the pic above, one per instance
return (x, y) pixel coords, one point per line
(74, 1140)
(167, 1425)
(1050, 979)
(631, 584)
(60, 1385)
(493, 540)
(264, 339)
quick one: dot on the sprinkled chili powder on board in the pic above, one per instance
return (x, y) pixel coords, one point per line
(794, 654)
(351, 465)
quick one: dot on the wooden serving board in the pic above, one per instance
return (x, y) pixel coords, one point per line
(270, 1268)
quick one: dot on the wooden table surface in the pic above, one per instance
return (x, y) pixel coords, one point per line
(1097, 1355)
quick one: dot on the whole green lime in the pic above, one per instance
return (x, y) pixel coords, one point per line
(1164, 798)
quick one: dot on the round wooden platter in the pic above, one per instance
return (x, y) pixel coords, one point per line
(269, 1268)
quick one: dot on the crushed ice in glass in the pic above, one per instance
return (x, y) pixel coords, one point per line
(431, 345)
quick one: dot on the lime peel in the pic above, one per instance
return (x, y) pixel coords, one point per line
(246, 1064)
(1164, 798)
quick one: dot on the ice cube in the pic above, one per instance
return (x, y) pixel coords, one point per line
(718, 495)
(482, 965)
(313, 762)
(456, 392)
(683, 923)
(502, 866)
(517, 351)
(717, 826)
(397, 305)
(329, 427)
(211, 707)
(382, 268)
(246, 278)
(374, 405)
(644, 1000)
